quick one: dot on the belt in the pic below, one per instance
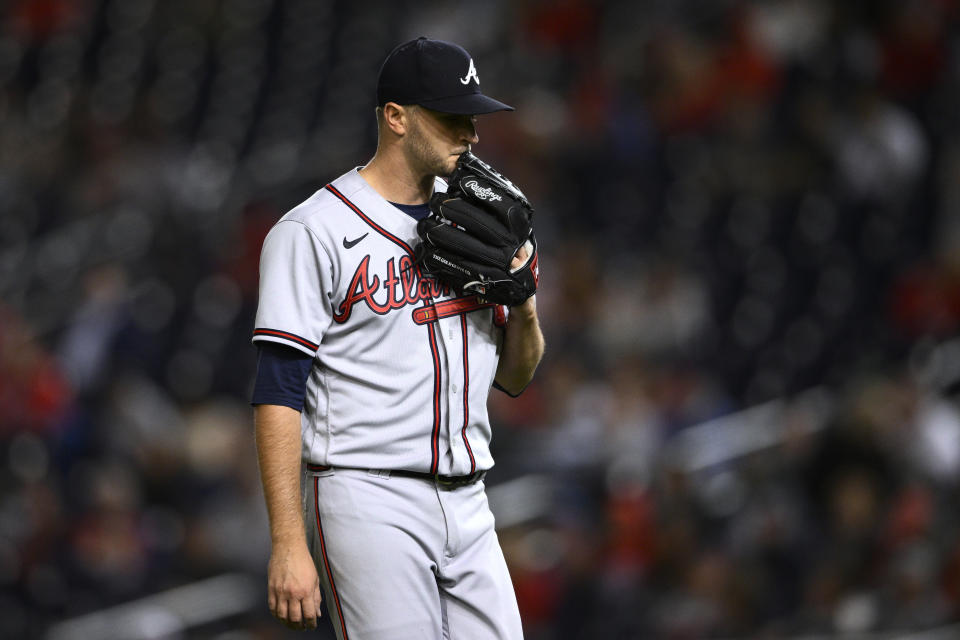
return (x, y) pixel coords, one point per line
(443, 481)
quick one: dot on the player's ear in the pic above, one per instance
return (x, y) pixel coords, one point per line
(396, 118)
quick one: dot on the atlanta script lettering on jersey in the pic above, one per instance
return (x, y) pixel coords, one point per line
(400, 288)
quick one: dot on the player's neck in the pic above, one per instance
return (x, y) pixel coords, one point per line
(396, 182)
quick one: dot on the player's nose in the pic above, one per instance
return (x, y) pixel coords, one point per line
(469, 132)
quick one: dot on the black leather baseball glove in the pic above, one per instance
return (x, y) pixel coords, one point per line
(473, 232)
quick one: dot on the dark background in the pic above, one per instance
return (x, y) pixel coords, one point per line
(746, 422)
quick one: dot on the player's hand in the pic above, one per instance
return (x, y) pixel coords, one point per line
(293, 587)
(528, 306)
(519, 258)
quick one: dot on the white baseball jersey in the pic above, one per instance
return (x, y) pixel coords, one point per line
(402, 366)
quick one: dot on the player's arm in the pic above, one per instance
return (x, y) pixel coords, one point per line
(523, 342)
(294, 279)
(293, 587)
(523, 346)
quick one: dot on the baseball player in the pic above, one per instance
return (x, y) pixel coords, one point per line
(370, 398)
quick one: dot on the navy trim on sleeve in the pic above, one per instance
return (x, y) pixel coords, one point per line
(286, 335)
(282, 373)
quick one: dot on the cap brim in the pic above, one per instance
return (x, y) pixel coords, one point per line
(469, 104)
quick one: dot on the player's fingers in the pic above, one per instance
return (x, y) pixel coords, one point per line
(317, 597)
(272, 601)
(285, 610)
(522, 255)
(294, 613)
(309, 609)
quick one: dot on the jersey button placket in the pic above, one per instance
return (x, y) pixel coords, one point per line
(454, 349)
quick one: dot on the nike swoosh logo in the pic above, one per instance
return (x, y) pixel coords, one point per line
(349, 244)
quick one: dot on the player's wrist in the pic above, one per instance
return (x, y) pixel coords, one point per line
(526, 311)
(288, 540)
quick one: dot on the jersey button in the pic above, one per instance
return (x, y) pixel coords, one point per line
(455, 388)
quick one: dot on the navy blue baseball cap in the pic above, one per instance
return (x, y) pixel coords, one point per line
(434, 74)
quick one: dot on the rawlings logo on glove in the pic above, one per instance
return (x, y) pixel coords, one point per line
(483, 193)
(473, 233)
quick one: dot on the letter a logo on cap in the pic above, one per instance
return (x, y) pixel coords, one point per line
(471, 73)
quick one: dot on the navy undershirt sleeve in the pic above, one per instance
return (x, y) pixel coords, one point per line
(282, 374)
(415, 211)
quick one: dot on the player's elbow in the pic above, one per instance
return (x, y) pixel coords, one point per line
(519, 362)
(515, 381)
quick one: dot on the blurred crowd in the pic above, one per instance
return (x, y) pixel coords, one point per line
(736, 202)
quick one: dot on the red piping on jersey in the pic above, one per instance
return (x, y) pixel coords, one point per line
(286, 335)
(326, 560)
(435, 436)
(447, 308)
(466, 393)
(386, 234)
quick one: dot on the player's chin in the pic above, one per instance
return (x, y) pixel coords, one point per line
(448, 166)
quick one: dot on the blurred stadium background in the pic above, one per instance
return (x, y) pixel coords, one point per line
(747, 421)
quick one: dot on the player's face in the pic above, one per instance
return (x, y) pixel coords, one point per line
(435, 140)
